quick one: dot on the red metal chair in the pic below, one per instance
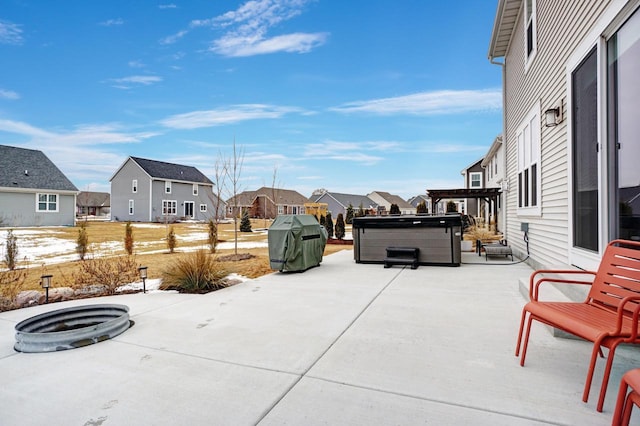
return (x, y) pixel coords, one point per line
(622, 412)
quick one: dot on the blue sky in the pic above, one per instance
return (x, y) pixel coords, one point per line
(352, 96)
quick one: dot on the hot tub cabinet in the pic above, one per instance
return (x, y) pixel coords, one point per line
(436, 237)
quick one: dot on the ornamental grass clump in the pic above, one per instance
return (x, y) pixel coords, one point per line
(196, 272)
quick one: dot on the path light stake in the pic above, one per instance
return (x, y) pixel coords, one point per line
(45, 282)
(143, 275)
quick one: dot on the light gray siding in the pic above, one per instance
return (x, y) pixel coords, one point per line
(19, 209)
(561, 25)
(122, 192)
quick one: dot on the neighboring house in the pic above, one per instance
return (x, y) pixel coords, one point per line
(338, 203)
(473, 176)
(93, 203)
(493, 165)
(415, 200)
(148, 190)
(33, 191)
(571, 101)
(385, 200)
(267, 203)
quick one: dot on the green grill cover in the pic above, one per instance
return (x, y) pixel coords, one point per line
(296, 242)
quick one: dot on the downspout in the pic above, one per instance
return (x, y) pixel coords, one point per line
(503, 65)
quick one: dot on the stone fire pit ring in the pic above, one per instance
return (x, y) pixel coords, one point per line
(71, 328)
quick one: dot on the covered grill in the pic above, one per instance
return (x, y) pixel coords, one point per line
(296, 242)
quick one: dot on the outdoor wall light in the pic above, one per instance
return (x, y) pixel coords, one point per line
(143, 276)
(552, 117)
(45, 282)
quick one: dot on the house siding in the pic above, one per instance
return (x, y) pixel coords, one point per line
(121, 193)
(19, 209)
(561, 25)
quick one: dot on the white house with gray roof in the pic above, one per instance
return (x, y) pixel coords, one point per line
(33, 191)
(386, 199)
(145, 190)
(338, 203)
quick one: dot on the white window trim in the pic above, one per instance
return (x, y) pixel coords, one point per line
(169, 205)
(131, 207)
(195, 189)
(203, 208)
(167, 187)
(280, 209)
(46, 210)
(134, 186)
(534, 113)
(528, 59)
(471, 175)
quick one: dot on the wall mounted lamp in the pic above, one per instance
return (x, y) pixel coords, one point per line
(553, 116)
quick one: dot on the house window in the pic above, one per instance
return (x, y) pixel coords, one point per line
(169, 207)
(528, 136)
(134, 186)
(167, 187)
(131, 204)
(280, 209)
(476, 179)
(47, 202)
(530, 29)
(195, 189)
(203, 208)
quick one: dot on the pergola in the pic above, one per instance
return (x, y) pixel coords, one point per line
(489, 195)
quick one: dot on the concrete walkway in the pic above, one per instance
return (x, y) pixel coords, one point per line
(344, 343)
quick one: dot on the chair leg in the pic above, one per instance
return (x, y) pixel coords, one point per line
(524, 315)
(620, 403)
(592, 367)
(605, 377)
(526, 341)
(632, 399)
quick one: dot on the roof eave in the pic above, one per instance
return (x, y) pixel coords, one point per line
(507, 14)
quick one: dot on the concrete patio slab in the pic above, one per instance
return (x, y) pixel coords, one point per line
(343, 343)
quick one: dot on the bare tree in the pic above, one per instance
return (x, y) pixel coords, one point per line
(275, 185)
(220, 171)
(234, 171)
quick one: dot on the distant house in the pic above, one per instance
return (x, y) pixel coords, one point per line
(473, 176)
(93, 203)
(385, 199)
(338, 203)
(33, 191)
(145, 190)
(417, 199)
(267, 203)
(493, 165)
(571, 101)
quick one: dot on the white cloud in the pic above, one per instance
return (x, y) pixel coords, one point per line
(112, 22)
(222, 116)
(290, 43)
(9, 94)
(10, 33)
(174, 38)
(128, 82)
(355, 152)
(136, 64)
(429, 103)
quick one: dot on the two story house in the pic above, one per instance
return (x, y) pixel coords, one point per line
(145, 190)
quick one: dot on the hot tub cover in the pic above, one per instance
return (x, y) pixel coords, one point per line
(296, 242)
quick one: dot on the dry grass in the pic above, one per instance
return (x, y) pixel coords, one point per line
(150, 248)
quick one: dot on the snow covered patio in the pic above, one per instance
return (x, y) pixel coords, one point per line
(344, 343)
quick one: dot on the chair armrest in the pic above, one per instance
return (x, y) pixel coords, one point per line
(534, 284)
(634, 317)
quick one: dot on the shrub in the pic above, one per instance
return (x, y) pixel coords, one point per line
(452, 207)
(245, 223)
(422, 207)
(323, 220)
(340, 227)
(394, 209)
(212, 236)
(361, 212)
(172, 242)
(196, 272)
(328, 224)
(82, 243)
(11, 283)
(128, 238)
(350, 214)
(11, 252)
(109, 273)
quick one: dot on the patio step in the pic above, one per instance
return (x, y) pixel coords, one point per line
(402, 256)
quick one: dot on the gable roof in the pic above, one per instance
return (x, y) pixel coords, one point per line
(22, 168)
(345, 199)
(394, 199)
(285, 196)
(417, 199)
(169, 171)
(506, 16)
(470, 166)
(93, 199)
(497, 143)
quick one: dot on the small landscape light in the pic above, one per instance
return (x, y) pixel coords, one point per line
(143, 276)
(45, 282)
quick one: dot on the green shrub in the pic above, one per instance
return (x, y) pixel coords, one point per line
(422, 207)
(340, 227)
(196, 272)
(394, 209)
(11, 252)
(245, 223)
(328, 224)
(350, 213)
(82, 243)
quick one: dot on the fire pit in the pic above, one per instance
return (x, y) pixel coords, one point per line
(71, 328)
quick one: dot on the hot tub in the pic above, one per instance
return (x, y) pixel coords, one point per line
(436, 237)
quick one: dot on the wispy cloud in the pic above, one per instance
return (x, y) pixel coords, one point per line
(222, 116)
(248, 26)
(429, 103)
(10, 33)
(355, 152)
(167, 6)
(135, 80)
(112, 22)
(136, 64)
(9, 94)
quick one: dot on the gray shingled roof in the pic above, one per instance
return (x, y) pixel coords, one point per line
(285, 196)
(346, 199)
(93, 199)
(30, 169)
(170, 171)
(394, 199)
